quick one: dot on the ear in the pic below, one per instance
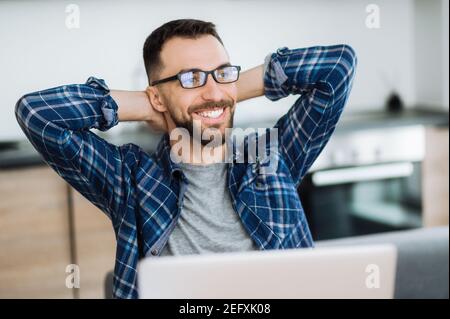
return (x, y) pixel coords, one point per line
(156, 99)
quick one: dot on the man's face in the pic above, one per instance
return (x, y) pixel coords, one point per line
(186, 105)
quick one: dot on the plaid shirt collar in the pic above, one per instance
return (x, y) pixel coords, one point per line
(162, 153)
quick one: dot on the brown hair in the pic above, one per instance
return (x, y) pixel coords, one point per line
(187, 28)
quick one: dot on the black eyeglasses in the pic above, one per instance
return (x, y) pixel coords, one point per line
(195, 78)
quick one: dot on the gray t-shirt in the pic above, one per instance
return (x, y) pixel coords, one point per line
(208, 222)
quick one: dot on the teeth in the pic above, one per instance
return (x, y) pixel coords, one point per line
(212, 114)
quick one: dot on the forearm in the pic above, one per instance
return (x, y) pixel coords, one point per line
(251, 83)
(132, 105)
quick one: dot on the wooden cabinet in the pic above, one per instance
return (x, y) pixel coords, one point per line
(435, 179)
(34, 234)
(39, 237)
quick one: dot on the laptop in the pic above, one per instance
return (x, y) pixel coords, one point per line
(326, 272)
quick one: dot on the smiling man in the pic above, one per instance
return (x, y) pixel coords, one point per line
(197, 204)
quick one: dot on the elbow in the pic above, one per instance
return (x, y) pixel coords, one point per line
(348, 59)
(342, 75)
(22, 111)
(345, 68)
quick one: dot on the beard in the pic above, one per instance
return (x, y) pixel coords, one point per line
(188, 123)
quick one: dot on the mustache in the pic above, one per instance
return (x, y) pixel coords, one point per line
(211, 105)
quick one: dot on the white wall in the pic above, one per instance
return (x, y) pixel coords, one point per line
(431, 53)
(38, 51)
(445, 56)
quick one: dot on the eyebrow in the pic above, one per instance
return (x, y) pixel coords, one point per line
(197, 69)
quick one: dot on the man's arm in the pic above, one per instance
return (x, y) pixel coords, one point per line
(136, 106)
(132, 105)
(57, 122)
(322, 76)
(251, 83)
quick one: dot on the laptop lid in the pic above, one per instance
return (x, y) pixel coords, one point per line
(329, 272)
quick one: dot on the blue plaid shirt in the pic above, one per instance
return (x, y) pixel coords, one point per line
(142, 194)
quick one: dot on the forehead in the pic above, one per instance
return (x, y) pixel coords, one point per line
(205, 52)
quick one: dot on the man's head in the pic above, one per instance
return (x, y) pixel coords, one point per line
(181, 45)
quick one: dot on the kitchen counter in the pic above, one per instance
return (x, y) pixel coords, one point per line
(22, 154)
(376, 119)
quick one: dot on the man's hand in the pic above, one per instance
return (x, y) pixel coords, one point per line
(136, 106)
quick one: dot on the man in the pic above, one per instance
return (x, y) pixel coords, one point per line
(181, 202)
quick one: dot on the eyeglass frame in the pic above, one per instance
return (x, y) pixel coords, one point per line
(178, 76)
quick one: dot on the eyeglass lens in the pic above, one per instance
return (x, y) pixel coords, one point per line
(192, 79)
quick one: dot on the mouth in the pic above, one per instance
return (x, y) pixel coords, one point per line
(211, 116)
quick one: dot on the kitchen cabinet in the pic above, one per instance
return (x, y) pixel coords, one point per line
(39, 238)
(435, 181)
(34, 234)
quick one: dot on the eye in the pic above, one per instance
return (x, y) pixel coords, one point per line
(228, 73)
(196, 78)
(222, 73)
(192, 79)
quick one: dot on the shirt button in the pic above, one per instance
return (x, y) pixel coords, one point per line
(282, 50)
(154, 252)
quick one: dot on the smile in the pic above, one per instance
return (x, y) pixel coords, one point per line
(211, 116)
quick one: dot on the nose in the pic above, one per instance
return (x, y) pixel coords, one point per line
(211, 90)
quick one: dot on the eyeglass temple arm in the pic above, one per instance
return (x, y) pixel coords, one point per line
(153, 83)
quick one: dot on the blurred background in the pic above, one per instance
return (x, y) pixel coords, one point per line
(384, 170)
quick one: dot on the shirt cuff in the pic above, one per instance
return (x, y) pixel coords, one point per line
(108, 106)
(274, 77)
